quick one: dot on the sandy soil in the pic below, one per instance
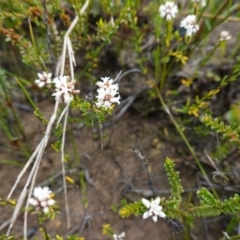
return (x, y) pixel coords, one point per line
(113, 174)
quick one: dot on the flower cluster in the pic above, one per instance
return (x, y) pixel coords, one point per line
(107, 93)
(44, 79)
(225, 36)
(42, 199)
(190, 24)
(201, 2)
(119, 237)
(154, 209)
(168, 10)
(64, 89)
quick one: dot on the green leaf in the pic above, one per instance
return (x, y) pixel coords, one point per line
(174, 179)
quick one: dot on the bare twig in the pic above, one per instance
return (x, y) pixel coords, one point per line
(35, 172)
(66, 37)
(63, 165)
(141, 155)
(119, 77)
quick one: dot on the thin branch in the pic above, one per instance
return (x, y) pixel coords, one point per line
(35, 172)
(29, 162)
(75, 21)
(63, 165)
(142, 156)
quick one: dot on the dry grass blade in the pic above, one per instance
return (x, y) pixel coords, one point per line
(22, 172)
(25, 189)
(31, 180)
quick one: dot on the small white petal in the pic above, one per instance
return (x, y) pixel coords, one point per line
(40, 75)
(161, 214)
(46, 189)
(46, 209)
(158, 208)
(43, 204)
(51, 202)
(156, 201)
(41, 84)
(116, 100)
(37, 192)
(33, 201)
(99, 103)
(107, 104)
(146, 203)
(146, 215)
(154, 218)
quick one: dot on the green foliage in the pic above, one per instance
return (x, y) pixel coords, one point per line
(135, 209)
(15, 133)
(231, 205)
(206, 197)
(75, 237)
(225, 130)
(71, 237)
(90, 114)
(37, 112)
(222, 150)
(114, 208)
(175, 208)
(4, 237)
(174, 179)
(43, 217)
(45, 235)
(107, 230)
(8, 202)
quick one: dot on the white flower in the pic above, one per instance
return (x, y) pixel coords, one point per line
(225, 36)
(42, 193)
(64, 89)
(202, 2)
(106, 83)
(190, 24)
(119, 237)
(169, 10)
(155, 210)
(42, 199)
(44, 79)
(106, 97)
(107, 93)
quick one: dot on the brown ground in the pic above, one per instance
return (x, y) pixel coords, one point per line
(114, 173)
